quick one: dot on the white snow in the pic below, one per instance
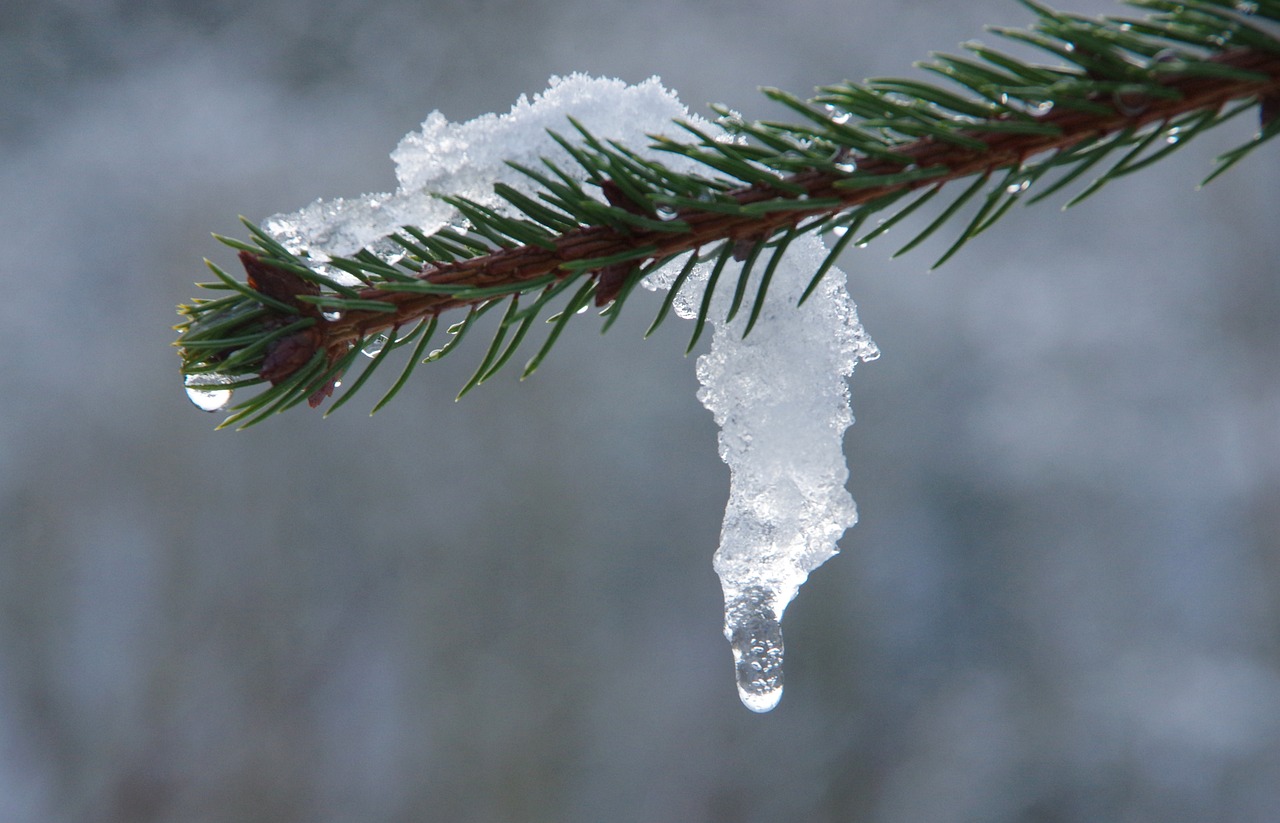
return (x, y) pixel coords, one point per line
(780, 396)
(466, 159)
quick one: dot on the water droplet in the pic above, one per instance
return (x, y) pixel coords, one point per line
(1173, 135)
(1018, 104)
(332, 316)
(847, 168)
(583, 309)
(755, 635)
(1130, 102)
(841, 118)
(1017, 187)
(204, 392)
(840, 231)
(374, 346)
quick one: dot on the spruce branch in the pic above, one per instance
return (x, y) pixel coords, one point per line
(1129, 91)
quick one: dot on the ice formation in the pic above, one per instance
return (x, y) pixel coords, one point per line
(781, 399)
(780, 395)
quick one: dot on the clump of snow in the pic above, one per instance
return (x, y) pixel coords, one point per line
(779, 396)
(466, 159)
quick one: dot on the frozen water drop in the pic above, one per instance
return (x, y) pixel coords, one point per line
(755, 635)
(332, 316)
(205, 393)
(864, 348)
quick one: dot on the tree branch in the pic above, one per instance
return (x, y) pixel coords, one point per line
(1127, 83)
(513, 266)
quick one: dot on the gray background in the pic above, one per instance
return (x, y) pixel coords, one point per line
(1061, 604)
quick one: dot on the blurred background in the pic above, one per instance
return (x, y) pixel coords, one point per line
(1062, 602)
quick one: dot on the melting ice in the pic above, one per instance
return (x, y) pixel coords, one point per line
(780, 397)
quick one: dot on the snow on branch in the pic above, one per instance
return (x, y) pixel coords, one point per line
(595, 187)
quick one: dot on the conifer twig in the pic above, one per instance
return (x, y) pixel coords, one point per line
(511, 267)
(1127, 83)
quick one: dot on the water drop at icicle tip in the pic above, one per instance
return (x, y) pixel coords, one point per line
(203, 391)
(754, 631)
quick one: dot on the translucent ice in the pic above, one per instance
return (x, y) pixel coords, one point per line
(754, 629)
(779, 397)
(781, 400)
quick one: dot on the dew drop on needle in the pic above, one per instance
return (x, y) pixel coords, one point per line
(207, 392)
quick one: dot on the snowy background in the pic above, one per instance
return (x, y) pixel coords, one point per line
(1062, 602)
